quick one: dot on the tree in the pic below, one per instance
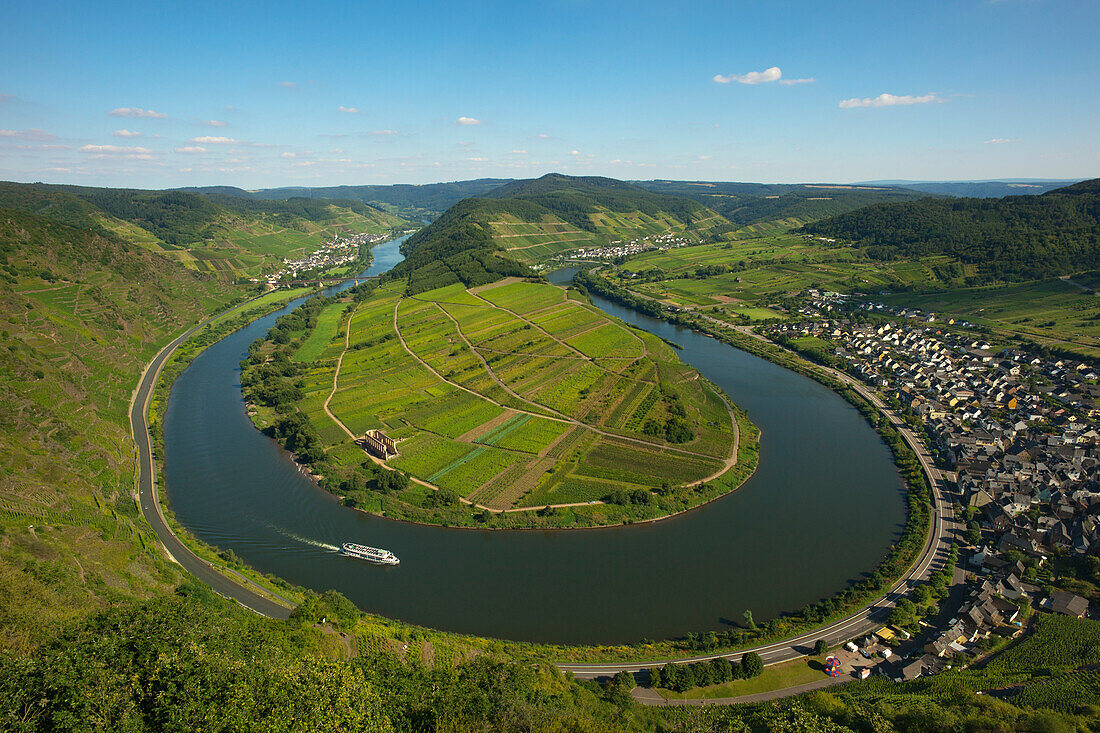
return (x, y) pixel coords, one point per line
(654, 677)
(721, 670)
(752, 665)
(904, 613)
(625, 680)
(748, 619)
(820, 647)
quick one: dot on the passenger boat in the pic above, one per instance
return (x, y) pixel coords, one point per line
(370, 554)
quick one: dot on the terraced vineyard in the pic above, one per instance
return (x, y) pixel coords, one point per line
(538, 241)
(513, 396)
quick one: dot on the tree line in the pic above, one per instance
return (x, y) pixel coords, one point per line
(1017, 237)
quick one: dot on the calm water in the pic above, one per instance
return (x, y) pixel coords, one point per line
(821, 510)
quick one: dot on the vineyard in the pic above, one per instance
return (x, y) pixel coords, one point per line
(508, 395)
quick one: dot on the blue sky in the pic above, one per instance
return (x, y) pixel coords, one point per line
(269, 94)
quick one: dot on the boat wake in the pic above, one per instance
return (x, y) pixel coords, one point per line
(305, 540)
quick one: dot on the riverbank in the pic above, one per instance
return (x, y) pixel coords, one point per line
(386, 629)
(274, 596)
(236, 489)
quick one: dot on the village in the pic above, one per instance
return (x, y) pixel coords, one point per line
(1017, 438)
(617, 248)
(342, 250)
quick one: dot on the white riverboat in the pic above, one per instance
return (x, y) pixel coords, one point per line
(370, 554)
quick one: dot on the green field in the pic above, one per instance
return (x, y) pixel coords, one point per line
(752, 274)
(495, 395)
(1047, 311)
(322, 335)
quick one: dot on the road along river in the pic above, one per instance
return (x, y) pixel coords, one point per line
(821, 511)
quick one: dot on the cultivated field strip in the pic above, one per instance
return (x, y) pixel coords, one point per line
(503, 395)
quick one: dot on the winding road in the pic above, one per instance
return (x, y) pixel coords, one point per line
(239, 588)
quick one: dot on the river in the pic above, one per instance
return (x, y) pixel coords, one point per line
(821, 511)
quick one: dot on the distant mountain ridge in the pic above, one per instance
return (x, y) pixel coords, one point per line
(997, 188)
(408, 200)
(1015, 237)
(744, 204)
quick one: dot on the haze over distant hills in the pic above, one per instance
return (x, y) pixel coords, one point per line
(995, 188)
(742, 203)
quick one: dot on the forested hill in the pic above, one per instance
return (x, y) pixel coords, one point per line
(480, 240)
(575, 198)
(457, 247)
(1017, 237)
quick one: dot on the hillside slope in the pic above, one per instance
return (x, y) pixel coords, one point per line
(213, 233)
(81, 312)
(1016, 237)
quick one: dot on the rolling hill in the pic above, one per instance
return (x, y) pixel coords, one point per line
(216, 232)
(526, 222)
(1017, 237)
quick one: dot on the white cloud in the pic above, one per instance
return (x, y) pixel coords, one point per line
(126, 133)
(350, 110)
(383, 132)
(213, 140)
(753, 77)
(32, 135)
(542, 136)
(288, 155)
(288, 84)
(477, 160)
(135, 112)
(574, 152)
(213, 123)
(191, 149)
(792, 82)
(1001, 141)
(104, 151)
(519, 152)
(467, 121)
(888, 100)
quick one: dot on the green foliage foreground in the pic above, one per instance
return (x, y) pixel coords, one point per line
(196, 663)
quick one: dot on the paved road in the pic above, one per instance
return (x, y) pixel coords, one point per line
(252, 597)
(867, 619)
